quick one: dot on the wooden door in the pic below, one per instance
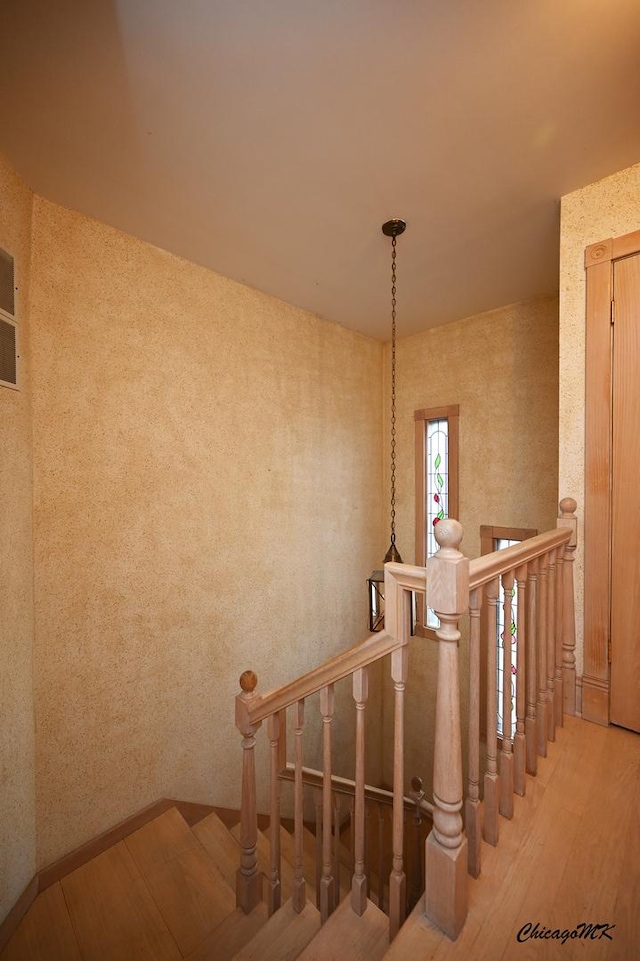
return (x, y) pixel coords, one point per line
(625, 496)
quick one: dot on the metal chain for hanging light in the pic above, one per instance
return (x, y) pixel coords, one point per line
(375, 583)
(393, 229)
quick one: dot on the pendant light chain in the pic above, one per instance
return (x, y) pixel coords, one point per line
(393, 229)
(393, 393)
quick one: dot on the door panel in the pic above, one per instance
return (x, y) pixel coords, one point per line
(625, 490)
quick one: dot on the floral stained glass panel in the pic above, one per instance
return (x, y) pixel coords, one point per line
(508, 636)
(437, 487)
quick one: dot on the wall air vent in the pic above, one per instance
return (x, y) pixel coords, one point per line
(8, 353)
(8, 328)
(7, 286)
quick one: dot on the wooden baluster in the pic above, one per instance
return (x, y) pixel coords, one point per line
(359, 881)
(380, 856)
(472, 806)
(274, 893)
(317, 797)
(248, 877)
(446, 847)
(542, 724)
(531, 669)
(298, 894)
(558, 696)
(519, 741)
(327, 883)
(551, 645)
(568, 519)
(490, 830)
(397, 879)
(506, 753)
(337, 807)
(417, 795)
(367, 844)
(352, 836)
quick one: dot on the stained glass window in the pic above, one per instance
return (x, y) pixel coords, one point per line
(506, 636)
(436, 487)
(437, 492)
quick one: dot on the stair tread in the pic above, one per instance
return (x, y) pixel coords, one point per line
(345, 935)
(284, 935)
(45, 931)
(231, 936)
(417, 938)
(189, 889)
(220, 844)
(113, 914)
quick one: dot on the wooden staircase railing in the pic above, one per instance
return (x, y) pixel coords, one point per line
(544, 673)
(252, 709)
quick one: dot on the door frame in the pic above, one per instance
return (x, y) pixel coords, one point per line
(599, 262)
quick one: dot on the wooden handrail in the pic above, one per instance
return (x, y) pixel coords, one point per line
(484, 569)
(360, 655)
(343, 785)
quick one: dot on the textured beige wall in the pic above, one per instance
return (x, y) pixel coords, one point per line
(17, 752)
(608, 208)
(208, 467)
(501, 367)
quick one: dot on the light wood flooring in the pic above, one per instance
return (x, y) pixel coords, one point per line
(570, 854)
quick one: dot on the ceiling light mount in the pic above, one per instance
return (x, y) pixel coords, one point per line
(393, 228)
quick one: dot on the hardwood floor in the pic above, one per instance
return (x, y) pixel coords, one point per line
(571, 854)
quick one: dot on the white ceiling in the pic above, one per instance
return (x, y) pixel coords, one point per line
(269, 139)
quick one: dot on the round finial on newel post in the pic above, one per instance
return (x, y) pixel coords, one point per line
(416, 784)
(248, 681)
(448, 533)
(568, 506)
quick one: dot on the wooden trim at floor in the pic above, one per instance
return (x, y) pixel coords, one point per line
(18, 911)
(190, 811)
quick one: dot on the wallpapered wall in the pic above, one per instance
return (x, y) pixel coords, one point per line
(208, 466)
(501, 367)
(608, 208)
(17, 758)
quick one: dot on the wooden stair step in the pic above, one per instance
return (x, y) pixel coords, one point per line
(347, 937)
(417, 938)
(221, 845)
(113, 914)
(229, 937)
(189, 889)
(284, 936)
(45, 931)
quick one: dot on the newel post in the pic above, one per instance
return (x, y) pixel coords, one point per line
(248, 876)
(568, 518)
(446, 846)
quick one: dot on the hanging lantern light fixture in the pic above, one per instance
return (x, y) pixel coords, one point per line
(375, 584)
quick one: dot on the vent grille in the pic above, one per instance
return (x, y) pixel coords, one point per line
(7, 285)
(8, 354)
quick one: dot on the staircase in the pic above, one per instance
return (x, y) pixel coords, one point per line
(559, 840)
(171, 891)
(167, 892)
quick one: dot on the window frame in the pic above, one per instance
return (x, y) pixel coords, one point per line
(422, 418)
